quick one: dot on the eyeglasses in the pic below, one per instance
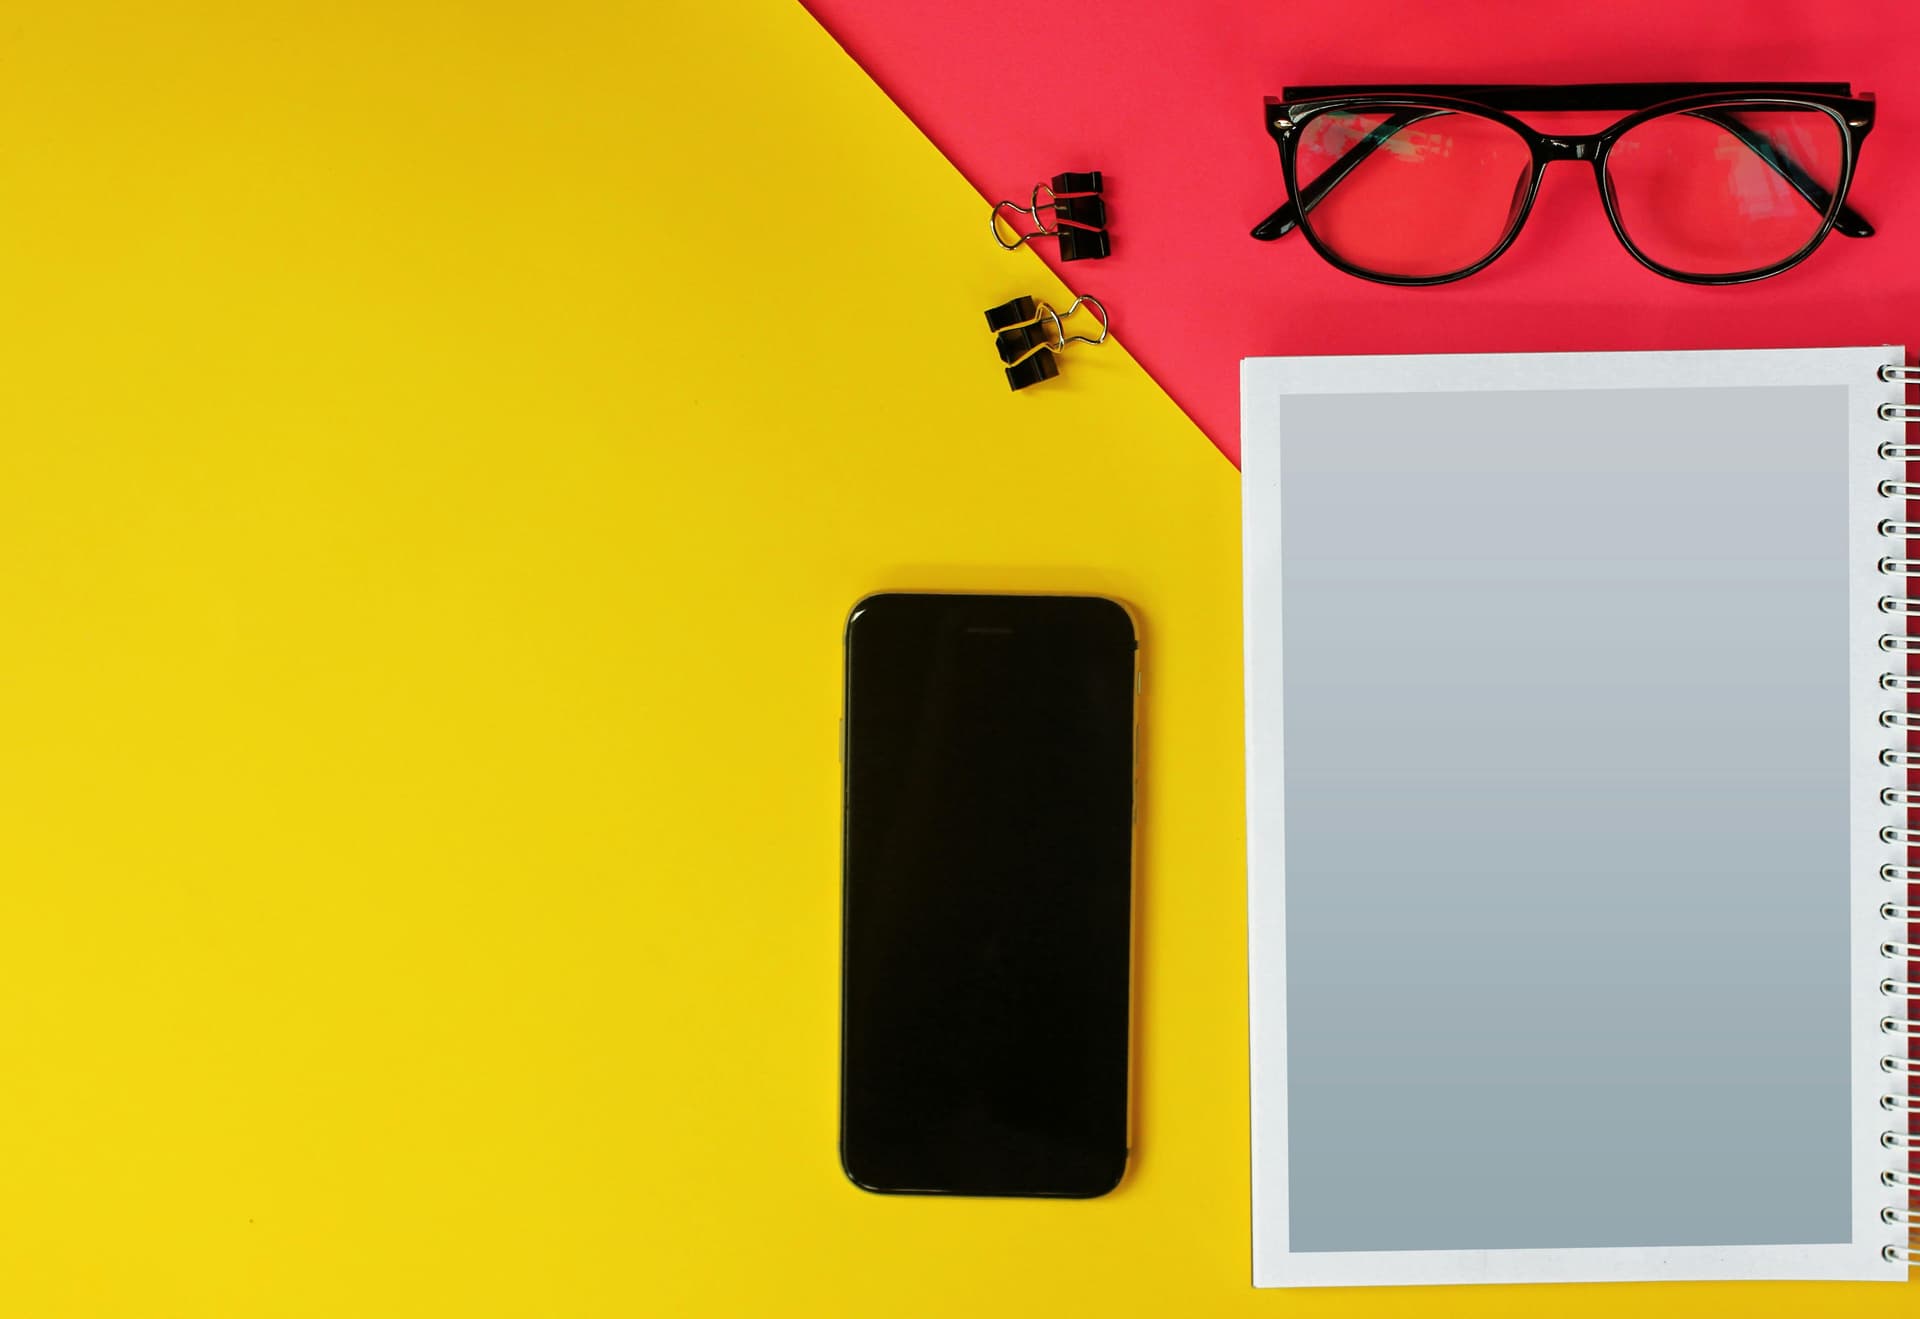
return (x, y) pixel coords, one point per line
(1709, 183)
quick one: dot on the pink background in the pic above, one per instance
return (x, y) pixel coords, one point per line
(1165, 99)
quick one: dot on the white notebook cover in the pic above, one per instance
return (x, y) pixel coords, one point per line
(1563, 809)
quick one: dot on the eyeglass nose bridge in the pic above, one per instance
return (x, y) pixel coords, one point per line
(1550, 149)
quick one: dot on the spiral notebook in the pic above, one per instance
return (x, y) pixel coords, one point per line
(1579, 790)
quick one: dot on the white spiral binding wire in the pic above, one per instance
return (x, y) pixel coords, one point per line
(1903, 987)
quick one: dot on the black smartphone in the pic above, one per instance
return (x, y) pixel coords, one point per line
(988, 748)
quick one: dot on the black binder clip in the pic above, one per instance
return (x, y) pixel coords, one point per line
(1027, 334)
(1079, 217)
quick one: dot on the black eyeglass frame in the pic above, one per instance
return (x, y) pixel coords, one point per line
(1285, 115)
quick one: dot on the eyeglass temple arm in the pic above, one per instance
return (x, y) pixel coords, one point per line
(1848, 222)
(1284, 220)
(1287, 218)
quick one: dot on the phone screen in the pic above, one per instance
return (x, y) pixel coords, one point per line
(988, 887)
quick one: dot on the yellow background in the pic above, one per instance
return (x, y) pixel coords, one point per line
(438, 447)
